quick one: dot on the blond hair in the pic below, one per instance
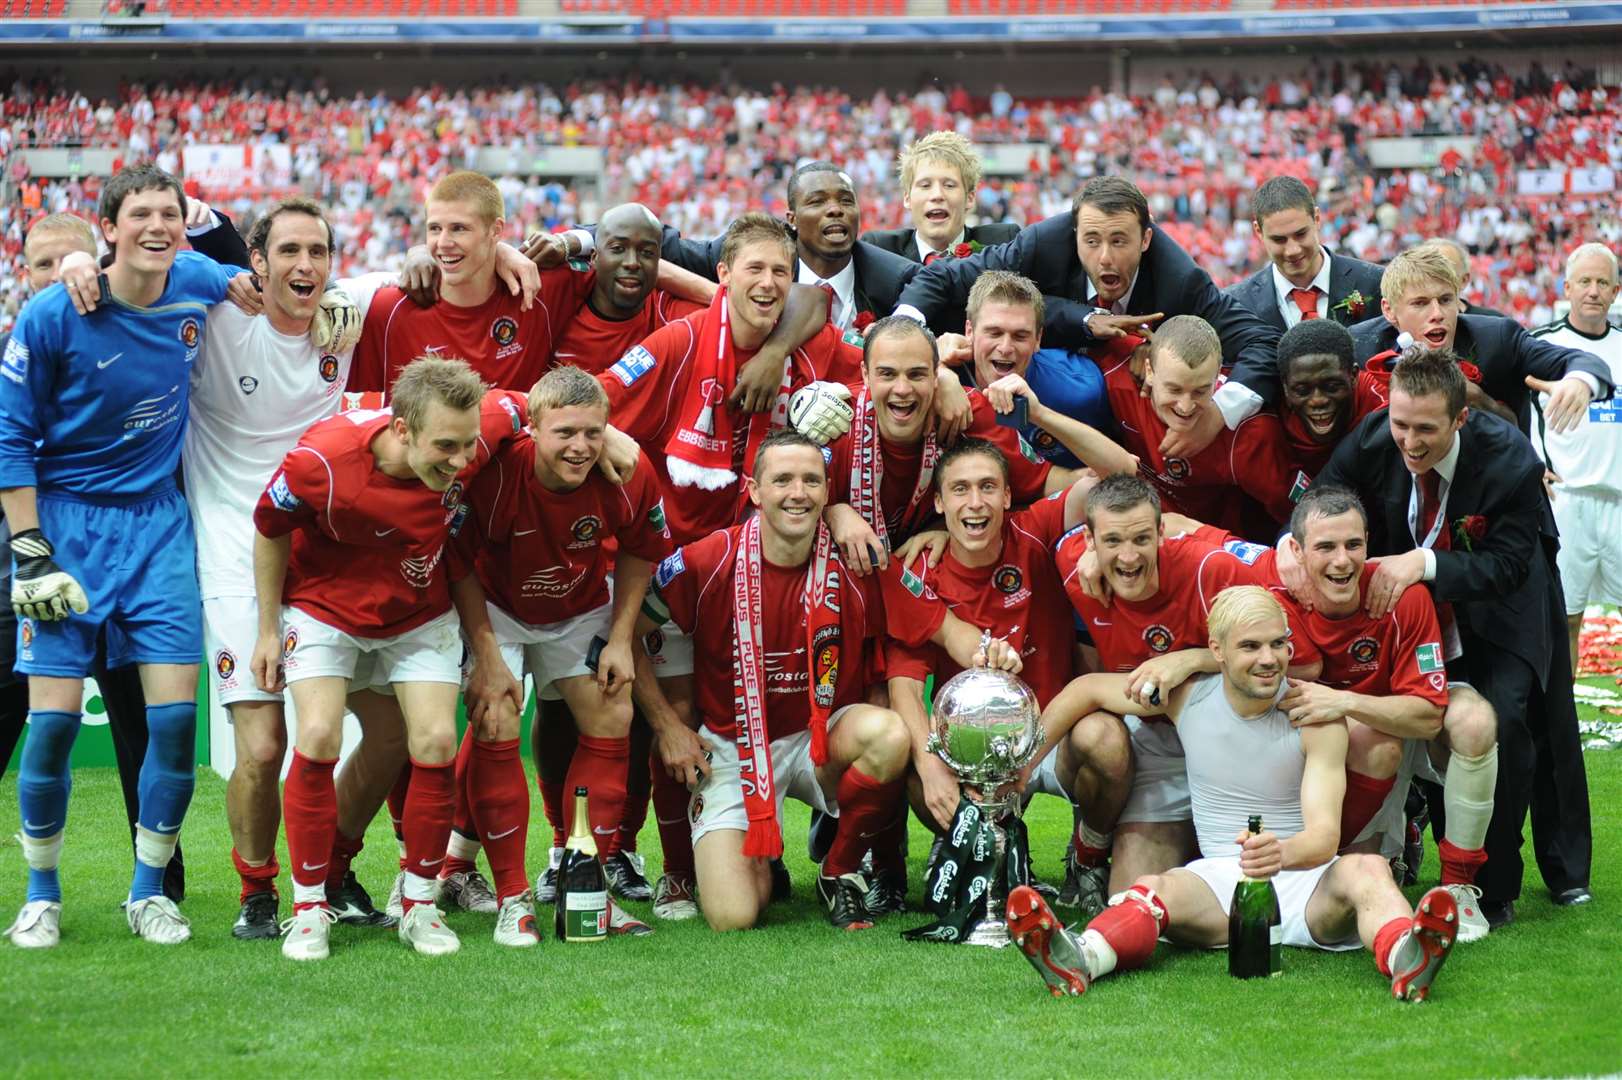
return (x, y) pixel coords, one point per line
(1241, 605)
(429, 379)
(471, 187)
(1416, 267)
(72, 224)
(947, 148)
(1189, 338)
(563, 388)
(1005, 287)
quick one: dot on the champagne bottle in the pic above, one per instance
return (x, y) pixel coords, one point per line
(1255, 931)
(582, 905)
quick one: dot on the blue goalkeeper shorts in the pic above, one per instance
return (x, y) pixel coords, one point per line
(137, 564)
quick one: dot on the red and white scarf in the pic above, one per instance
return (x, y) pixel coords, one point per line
(701, 452)
(820, 601)
(867, 470)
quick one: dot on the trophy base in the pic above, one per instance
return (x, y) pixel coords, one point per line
(991, 933)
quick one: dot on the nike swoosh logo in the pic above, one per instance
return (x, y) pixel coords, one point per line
(499, 835)
(523, 532)
(164, 826)
(39, 828)
(385, 532)
(1101, 622)
(109, 362)
(314, 868)
(431, 862)
(600, 831)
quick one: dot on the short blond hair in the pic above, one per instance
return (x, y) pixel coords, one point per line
(429, 379)
(471, 187)
(946, 147)
(1415, 267)
(71, 224)
(1005, 287)
(1189, 338)
(1240, 605)
(563, 388)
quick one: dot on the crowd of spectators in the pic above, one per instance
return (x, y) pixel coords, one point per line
(701, 155)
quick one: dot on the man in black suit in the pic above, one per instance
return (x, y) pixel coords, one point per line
(1302, 279)
(939, 176)
(1104, 271)
(1460, 258)
(1420, 292)
(1455, 498)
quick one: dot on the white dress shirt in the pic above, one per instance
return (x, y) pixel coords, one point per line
(925, 251)
(1286, 303)
(843, 312)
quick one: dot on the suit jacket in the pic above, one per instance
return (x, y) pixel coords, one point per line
(904, 242)
(222, 243)
(1505, 590)
(1346, 276)
(880, 275)
(1479, 309)
(1505, 353)
(1168, 281)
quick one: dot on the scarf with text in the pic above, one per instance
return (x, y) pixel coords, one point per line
(867, 470)
(820, 601)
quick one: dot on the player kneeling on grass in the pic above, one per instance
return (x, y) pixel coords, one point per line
(782, 630)
(1244, 758)
(539, 603)
(352, 531)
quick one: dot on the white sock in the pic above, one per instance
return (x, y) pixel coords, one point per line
(1396, 947)
(309, 894)
(462, 847)
(1467, 795)
(1097, 954)
(154, 848)
(1099, 840)
(418, 888)
(401, 844)
(43, 853)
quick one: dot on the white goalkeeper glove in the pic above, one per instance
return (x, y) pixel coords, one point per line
(821, 411)
(40, 589)
(336, 326)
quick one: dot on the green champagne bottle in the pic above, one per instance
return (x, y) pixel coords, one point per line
(582, 905)
(1255, 933)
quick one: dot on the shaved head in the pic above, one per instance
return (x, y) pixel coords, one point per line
(627, 260)
(627, 216)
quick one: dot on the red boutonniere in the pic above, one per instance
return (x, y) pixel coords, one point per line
(965, 249)
(1471, 372)
(863, 320)
(1466, 530)
(1355, 305)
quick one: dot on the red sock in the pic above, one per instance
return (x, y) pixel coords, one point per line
(501, 810)
(344, 850)
(866, 807)
(670, 800)
(599, 767)
(638, 789)
(426, 823)
(397, 801)
(1460, 865)
(255, 879)
(1364, 797)
(462, 819)
(1087, 855)
(310, 818)
(1384, 938)
(554, 745)
(1131, 929)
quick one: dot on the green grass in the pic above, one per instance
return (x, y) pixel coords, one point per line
(793, 998)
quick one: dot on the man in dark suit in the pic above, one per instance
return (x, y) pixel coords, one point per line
(939, 176)
(1455, 498)
(1302, 279)
(1104, 270)
(1420, 294)
(1460, 258)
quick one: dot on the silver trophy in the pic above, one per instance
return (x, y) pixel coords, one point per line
(987, 726)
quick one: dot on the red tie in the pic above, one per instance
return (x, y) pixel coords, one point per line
(932, 256)
(1307, 301)
(1430, 502)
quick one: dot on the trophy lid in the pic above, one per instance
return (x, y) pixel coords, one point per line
(986, 724)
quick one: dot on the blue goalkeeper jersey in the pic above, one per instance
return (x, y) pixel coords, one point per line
(95, 405)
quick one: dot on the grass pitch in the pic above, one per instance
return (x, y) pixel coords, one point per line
(794, 998)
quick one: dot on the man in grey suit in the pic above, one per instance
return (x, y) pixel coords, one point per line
(1302, 278)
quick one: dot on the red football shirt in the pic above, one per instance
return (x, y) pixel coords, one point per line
(540, 554)
(1018, 597)
(592, 343)
(367, 546)
(1400, 653)
(696, 584)
(1192, 570)
(1027, 473)
(645, 390)
(510, 348)
(1250, 460)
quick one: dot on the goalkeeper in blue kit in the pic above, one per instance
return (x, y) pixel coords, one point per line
(92, 410)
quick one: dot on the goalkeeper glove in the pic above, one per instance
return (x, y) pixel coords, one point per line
(336, 326)
(41, 589)
(821, 411)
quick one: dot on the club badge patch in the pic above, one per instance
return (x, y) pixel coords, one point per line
(504, 331)
(290, 642)
(225, 665)
(1177, 468)
(191, 331)
(328, 367)
(1008, 579)
(1158, 638)
(1365, 650)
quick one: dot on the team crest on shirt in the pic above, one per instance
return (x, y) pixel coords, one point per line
(290, 642)
(1158, 638)
(1177, 468)
(654, 642)
(504, 330)
(696, 810)
(585, 530)
(191, 332)
(225, 666)
(826, 671)
(1043, 442)
(328, 367)
(248, 383)
(25, 633)
(452, 498)
(1008, 579)
(1365, 650)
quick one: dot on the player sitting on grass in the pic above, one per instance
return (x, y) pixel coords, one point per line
(1244, 758)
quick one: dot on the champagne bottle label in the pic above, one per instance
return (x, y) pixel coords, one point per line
(1275, 936)
(585, 916)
